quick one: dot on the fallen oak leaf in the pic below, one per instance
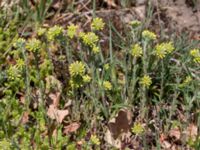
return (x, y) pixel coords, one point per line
(57, 114)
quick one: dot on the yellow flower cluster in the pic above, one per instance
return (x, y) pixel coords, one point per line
(146, 81)
(161, 50)
(89, 38)
(41, 31)
(77, 68)
(187, 81)
(195, 53)
(137, 129)
(54, 32)
(106, 66)
(95, 140)
(13, 73)
(136, 51)
(78, 77)
(135, 23)
(146, 34)
(86, 78)
(33, 45)
(72, 30)
(19, 43)
(95, 49)
(97, 24)
(107, 85)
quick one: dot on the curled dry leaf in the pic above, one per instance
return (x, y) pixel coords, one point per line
(73, 127)
(57, 114)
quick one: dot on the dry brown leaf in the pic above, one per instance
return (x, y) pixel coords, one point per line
(73, 127)
(25, 118)
(166, 145)
(69, 103)
(162, 137)
(111, 3)
(22, 99)
(175, 133)
(121, 123)
(53, 89)
(53, 84)
(55, 98)
(118, 128)
(109, 139)
(57, 114)
(192, 130)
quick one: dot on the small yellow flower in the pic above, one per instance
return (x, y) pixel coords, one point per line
(95, 49)
(41, 31)
(95, 140)
(19, 43)
(135, 23)
(90, 38)
(136, 51)
(20, 63)
(97, 24)
(75, 83)
(33, 45)
(164, 48)
(106, 66)
(86, 78)
(187, 81)
(146, 81)
(107, 85)
(160, 51)
(146, 34)
(196, 54)
(72, 30)
(137, 129)
(169, 47)
(81, 34)
(13, 73)
(77, 68)
(54, 32)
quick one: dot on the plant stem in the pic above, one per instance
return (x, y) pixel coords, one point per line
(162, 80)
(27, 79)
(144, 90)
